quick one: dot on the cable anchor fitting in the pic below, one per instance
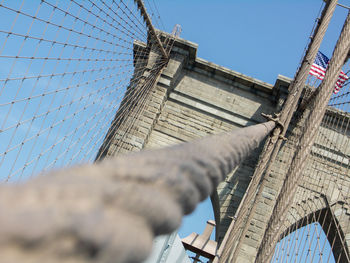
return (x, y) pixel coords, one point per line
(275, 118)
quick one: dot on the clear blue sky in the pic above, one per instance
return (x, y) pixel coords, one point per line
(258, 38)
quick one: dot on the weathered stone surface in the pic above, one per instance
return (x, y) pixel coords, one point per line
(193, 98)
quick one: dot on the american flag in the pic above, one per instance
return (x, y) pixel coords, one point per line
(318, 69)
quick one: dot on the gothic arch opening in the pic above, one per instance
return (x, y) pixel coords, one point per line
(317, 237)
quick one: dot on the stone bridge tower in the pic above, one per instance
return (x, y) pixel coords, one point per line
(192, 98)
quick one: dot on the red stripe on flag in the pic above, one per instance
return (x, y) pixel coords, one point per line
(316, 74)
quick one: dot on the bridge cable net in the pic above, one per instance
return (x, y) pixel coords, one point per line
(65, 68)
(120, 136)
(316, 226)
(240, 226)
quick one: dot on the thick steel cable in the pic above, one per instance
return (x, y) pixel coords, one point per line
(119, 203)
(133, 18)
(340, 130)
(137, 28)
(273, 144)
(151, 28)
(302, 73)
(301, 196)
(153, 15)
(313, 121)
